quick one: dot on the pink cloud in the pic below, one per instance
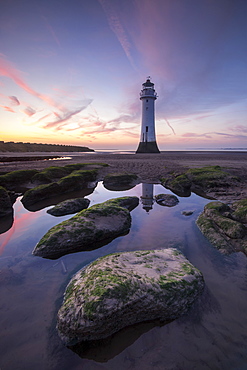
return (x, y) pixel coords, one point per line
(8, 70)
(14, 100)
(8, 109)
(239, 128)
(191, 134)
(29, 111)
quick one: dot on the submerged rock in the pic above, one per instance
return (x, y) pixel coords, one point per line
(120, 181)
(167, 200)
(5, 203)
(69, 206)
(217, 224)
(88, 229)
(123, 289)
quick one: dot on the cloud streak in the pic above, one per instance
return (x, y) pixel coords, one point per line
(117, 28)
(7, 70)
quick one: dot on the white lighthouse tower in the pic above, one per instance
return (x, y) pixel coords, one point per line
(148, 140)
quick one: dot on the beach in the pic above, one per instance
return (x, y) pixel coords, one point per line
(147, 166)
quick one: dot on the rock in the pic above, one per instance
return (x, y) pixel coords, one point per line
(39, 193)
(14, 179)
(167, 200)
(127, 288)
(217, 224)
(5, 203)
(187, 213)
(120, 181)
(76, 181)
(88, 229)
(205, 180)
(69, 206)
(240, 210)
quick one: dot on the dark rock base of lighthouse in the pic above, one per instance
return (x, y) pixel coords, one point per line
(148, 147)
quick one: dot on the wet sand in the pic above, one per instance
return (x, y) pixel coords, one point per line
(150, 167)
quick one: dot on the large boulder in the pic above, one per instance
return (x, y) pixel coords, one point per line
(123, 289)
(217, 223)
(5, 203)
(88, 229)
(69, 206)
(15, 179)
(209, 180)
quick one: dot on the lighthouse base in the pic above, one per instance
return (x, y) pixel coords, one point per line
(148, 147)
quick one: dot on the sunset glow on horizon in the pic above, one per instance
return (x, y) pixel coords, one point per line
(71, 72)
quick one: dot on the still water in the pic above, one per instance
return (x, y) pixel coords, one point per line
(213, 334)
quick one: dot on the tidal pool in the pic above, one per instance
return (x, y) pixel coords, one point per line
(211, 336)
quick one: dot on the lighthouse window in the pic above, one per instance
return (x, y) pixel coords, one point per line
(147, 100)
(146, 128)
(146, 108)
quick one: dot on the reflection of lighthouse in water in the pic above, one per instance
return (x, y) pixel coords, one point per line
(147, 197)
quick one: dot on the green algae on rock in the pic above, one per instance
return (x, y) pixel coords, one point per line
(217, 223)
(69, 206)
(88, 229)
(205, 179)
(77, 180)
(16, 178)
(126, 288)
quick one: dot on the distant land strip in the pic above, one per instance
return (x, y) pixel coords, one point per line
(21, 147)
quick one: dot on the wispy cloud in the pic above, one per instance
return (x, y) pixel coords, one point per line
(14, 100)
(8, 109)
(66, 116)
(118, 29)
(29, 111)
(8, 70)
(51, 30)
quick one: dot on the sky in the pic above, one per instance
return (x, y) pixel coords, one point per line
(71, 72)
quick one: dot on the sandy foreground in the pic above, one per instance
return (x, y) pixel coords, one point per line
(149, 167)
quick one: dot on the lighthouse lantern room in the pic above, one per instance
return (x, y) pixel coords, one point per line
(148, 140)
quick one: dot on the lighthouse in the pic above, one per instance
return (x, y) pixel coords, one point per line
(148, 140)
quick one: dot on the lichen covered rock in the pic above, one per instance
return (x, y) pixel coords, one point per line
(88, 229)
(217, 223)
(123, 289)
(69, 206)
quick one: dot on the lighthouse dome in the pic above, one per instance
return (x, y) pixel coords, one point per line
(148, 83)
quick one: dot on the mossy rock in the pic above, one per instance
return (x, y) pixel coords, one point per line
(5, 203)
(50, 174)
(127, 288)
(69, 206)
(120, 181)
(205, 179)
(88, 229)
(39, 193)
(77, 180)
(240, 210)
(13, 179)
(217, 224)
